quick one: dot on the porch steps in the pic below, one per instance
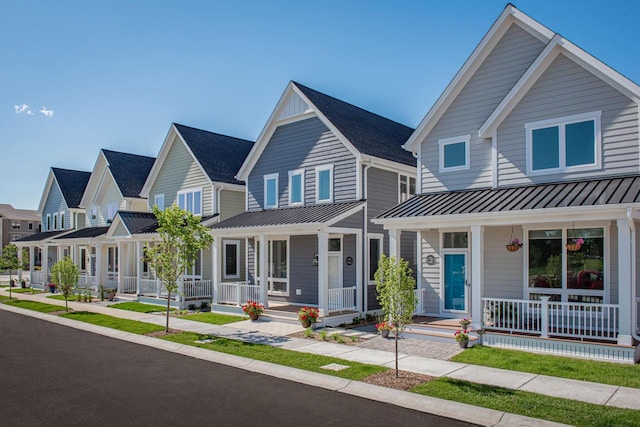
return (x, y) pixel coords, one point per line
(126, 297)
(282, 316)
(441, 334)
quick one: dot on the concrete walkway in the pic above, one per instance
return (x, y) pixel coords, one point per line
(273, 333)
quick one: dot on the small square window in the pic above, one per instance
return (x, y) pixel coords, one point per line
(271, 191)
(454, 153)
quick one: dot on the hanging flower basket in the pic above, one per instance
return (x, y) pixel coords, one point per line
(514, 244)
(512, 247)
(574, 245)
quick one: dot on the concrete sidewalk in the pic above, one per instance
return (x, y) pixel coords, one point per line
(274, 333)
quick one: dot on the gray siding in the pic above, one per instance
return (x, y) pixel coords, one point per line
(251, 261)
(503, 270)
(382, 194)
(349, 250)
(613, 264)
(303, 275)
(565, 89)
(180, 171)
(304, 144)
(408, 249)
(430, 278)
(492, 81)
(55, 204)
(231, 203)
(353, 221)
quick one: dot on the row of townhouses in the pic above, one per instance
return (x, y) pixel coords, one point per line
(515, 201)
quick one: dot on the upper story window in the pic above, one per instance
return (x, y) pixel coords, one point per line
(94, 212)
(324, 184)
(271, 191)
(62, 224)
(158, 200)
(55, 221)
(564, 144)
(454, 153)
(30, 226)
(15, 237)
(112, 208)
(48, 223)
(191, 201)
(296, 187)
(15, 225)
(407, 187)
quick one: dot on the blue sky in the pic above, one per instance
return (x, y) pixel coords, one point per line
(115, 74)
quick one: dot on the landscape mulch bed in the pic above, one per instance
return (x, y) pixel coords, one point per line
(157, 334)
(405, 381)
(317, 337)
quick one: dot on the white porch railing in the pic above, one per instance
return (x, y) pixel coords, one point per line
(236, 293)
(130, 284)
(549, 318)
(419, 293)
(87, 281)
(110, 281)
(39, 277)
(151, 287)
(342, 299)
(193, 289)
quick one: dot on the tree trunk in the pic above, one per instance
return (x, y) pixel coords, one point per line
(397, 333)
(10, 290)
(166, 329)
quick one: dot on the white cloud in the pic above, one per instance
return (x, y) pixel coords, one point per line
(48, 113)
(22, 108)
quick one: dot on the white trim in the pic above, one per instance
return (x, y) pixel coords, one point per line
(155, 201)
(266, 179)
(443, 254)
(561, 123)
(235, 243)
(48, 222)
(466, 139)
(268, 267)
(192, 190)
(55, 220)
(373, 236)
(293, 173)
(494, 159)
(319, 169)
(61, 216)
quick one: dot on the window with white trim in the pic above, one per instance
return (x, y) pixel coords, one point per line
(112, 259)
(271, 191)
(48, 223)
(407, 187)
(55, 221)
(94, 212)
(564, 144)
(62, 222)
(195, 272)
(454, 153)
(158, 200)
(112, 208)
(15, 237)
(231, 254)
(567, 265)
(30, 226)
(15, 225)
(375, 252)
(296, 187)
(191, 200)
(324, 184)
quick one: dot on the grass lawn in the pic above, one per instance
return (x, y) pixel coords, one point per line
(556, 366)
(306, 361)
(213, 318)
(132, 326)
(26, 291)
(60, 297)
(140, 307)
(530, 404)
(3, 297)
(34, 305)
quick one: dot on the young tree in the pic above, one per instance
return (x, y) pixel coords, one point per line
(10, 261)
(395, 292)
(182, 237)
(65, 275)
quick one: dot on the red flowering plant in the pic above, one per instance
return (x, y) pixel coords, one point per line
(253, 308)
(384, 326)
(462, 335)
(308, 314)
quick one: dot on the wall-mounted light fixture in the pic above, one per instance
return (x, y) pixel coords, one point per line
(315, 260)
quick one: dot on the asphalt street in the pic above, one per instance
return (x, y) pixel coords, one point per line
(54, 375)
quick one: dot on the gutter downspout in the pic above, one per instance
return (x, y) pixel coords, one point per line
(365, 239)
(634, 286)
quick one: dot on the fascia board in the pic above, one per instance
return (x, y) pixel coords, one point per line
(45, 193)
(389, 165)
(344, 215)
(114, 224)
(186, 146)
(94, 180)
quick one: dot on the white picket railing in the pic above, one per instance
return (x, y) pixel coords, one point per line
(85, 281)
(419, 293)
(151, 287)
(236, 293)
(342, 299)
(39, 277)
(249, 292)
(193, 289)
(550, 318)
(110, 281)
(130, 284)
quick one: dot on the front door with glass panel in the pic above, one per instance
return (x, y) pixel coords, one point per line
(455, 281)
(334, 263)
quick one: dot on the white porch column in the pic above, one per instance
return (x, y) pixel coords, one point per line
(121, 256)
(60, 253)
(359, 267)
(20, 262)
(32, 262)
(394, 243)
(625, 266)
(323, 273)
(215, 265)
(99, 265)
(264, 295)
(477, 262)
(139, 266)
(45, 264)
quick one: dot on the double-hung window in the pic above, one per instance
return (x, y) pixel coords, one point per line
(62, 222)
(158, 201)
(407, 187)
(191, 201)
(48, 223)
(231, 249)
(271, 191)
(296, 187)
(112, 208)
(15, 225)
(564, 144)
(55, 221)
(324, 184)
(454, 153)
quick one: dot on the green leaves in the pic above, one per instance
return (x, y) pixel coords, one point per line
(395, 291)
(65, 275)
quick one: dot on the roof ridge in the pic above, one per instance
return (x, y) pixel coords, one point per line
(213, 133)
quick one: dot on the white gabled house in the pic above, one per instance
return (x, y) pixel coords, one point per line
(535, 140)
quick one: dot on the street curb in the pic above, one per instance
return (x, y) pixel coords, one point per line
(445, 408)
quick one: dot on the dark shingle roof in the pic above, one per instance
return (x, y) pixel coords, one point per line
(370, 133)
(130, 171)
(220, 156)
(304, 215)
(85, 232)
(39, 237)
(72, 184)
(139, 222)
(599, 192)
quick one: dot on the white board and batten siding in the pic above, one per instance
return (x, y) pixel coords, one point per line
(566, 89)
(303, 145)
(487, 87)
(180, 171)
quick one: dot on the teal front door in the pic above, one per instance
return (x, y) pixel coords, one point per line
(455, 282)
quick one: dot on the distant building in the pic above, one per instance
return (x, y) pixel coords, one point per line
(16, 224)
